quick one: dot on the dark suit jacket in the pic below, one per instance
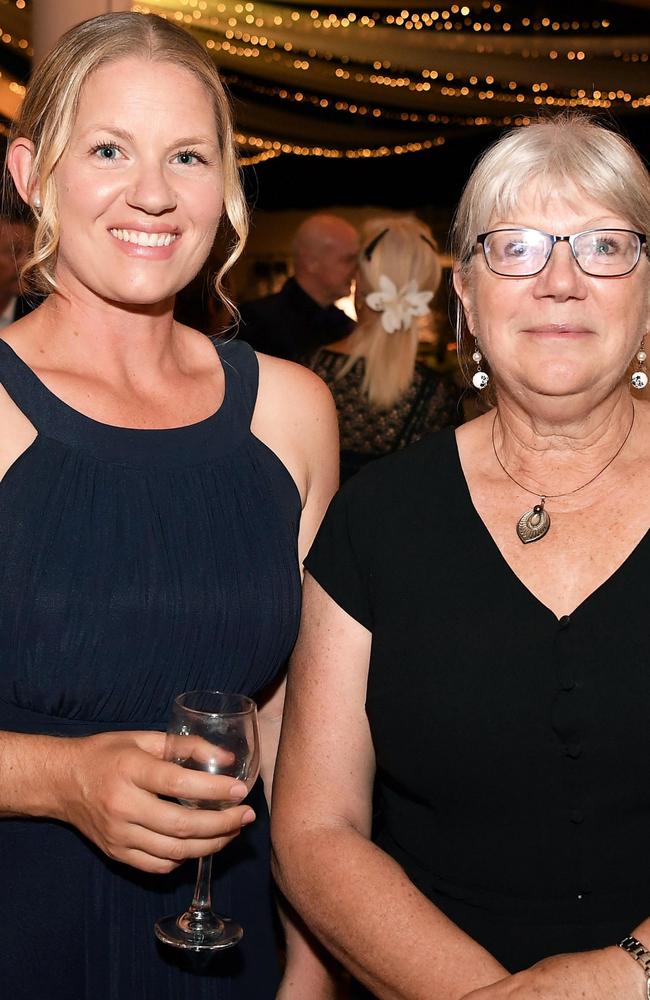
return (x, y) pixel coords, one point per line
(290, 323)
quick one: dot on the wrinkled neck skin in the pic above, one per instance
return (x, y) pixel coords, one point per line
(557, 441)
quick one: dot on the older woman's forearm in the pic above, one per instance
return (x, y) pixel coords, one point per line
(372, 918)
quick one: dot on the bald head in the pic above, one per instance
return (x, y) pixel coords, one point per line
(325, 252)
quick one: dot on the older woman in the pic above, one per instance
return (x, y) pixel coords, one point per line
(150, 517)
(473, 642)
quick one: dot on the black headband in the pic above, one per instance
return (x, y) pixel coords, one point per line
(370, 249)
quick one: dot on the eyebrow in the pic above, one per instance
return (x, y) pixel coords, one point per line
(193, 140)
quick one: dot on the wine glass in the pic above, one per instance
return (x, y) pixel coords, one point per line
(216, 732)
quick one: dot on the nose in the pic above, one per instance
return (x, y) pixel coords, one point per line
(150, 190)
(562, 278)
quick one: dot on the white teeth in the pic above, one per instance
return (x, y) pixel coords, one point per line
(142, 239)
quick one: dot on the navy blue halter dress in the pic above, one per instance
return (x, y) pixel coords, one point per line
(136, 564)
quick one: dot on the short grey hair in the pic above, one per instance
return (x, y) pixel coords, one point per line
(571, 150)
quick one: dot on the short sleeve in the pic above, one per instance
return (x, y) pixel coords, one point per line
(339, 559)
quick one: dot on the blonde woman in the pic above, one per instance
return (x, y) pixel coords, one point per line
(384, 398)
(156, 494)
(472, 660)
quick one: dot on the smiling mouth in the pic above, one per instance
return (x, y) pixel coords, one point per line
(140, 239)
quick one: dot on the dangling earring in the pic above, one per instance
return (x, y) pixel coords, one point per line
(480, 378)
(640, 377)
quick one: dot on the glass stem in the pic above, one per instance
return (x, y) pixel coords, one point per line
(202, 902)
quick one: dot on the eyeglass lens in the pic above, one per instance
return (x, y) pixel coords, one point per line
(522, 252)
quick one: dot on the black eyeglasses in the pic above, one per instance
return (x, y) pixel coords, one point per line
(521, 253)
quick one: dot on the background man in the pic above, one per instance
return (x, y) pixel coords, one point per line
(302, 315)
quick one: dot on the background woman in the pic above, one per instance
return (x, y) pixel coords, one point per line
(384, 399)
(471, 638)
(156, 492)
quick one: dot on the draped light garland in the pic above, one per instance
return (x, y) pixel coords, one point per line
(484, 63)
(364, 83)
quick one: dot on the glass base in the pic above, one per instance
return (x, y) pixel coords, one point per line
(198, 931)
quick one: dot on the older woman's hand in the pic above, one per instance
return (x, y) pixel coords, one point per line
(109, 787)
(607, 974)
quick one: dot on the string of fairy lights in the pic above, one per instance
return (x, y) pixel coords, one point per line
(286, 42)
(311, 60)
(457, 17)
(14, 33)
(577, 97)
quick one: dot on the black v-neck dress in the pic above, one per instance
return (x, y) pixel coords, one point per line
(512, 748)
(136, 564)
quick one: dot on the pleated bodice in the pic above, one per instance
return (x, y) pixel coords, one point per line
(137, 564)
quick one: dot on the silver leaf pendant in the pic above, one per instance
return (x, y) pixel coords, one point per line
(533, 524)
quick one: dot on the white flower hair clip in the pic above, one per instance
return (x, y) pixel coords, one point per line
(398, 307)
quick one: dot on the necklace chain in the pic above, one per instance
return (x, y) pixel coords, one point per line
(556, 496)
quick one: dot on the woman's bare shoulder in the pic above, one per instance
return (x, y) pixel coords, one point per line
(286, 384)
(296, 418)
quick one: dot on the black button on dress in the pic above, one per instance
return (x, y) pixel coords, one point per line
(136, 564)
(511, 746)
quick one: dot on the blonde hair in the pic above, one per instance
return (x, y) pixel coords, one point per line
(49, 110)
(569, 151)
(405, 252)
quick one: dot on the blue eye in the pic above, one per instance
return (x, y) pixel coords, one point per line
(188, 157)
(106, 151)
(517, 249)
(606, 247)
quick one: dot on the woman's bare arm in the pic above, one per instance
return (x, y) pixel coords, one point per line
(357, 900)
(109, 787)
(296, 418)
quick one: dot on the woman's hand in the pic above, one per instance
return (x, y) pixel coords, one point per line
(607, 974)
(109, 788)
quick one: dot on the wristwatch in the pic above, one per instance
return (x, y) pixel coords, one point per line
(640, 954)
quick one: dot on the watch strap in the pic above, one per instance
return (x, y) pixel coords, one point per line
(640, 954)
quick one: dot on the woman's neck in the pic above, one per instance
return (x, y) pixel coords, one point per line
(557, 447)
(355, 343)
(106, 336)
(342, 346)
